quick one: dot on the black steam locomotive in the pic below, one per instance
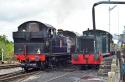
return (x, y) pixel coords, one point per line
(38, 45)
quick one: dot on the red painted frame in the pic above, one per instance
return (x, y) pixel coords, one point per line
(86, 59)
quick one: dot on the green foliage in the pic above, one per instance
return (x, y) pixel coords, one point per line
(7, 47)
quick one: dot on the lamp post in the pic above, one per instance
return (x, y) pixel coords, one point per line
(109, 18)
(110, 9)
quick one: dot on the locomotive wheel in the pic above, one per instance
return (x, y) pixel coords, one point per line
(84, 67)
(42, 67)
(26, 69)
(96, 66)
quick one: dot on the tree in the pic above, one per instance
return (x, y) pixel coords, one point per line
(7, 47)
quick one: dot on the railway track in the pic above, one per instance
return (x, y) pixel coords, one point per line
(15, 75)
(8, 66)
(21, 75)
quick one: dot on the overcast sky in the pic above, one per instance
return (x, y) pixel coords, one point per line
(74, 15)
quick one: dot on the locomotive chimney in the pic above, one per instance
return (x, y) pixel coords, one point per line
(60, 31)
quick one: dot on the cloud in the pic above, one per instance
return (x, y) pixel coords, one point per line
(72, 15)
(19, 9)
(64, 14)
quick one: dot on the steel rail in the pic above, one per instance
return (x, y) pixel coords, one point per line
(16, 75)
(8, 66)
